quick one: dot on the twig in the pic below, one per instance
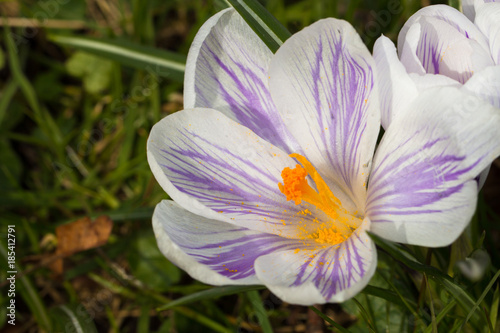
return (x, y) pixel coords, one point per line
(47, 23)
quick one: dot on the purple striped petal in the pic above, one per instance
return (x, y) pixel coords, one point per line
(219, 169)
(322, 82)
(226, 70)
(449, 15)
(422, 188)
(441, 49)
(310, 275)
(212, 251)
(487, 18)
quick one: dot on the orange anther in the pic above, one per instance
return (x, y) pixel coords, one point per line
(294, 183)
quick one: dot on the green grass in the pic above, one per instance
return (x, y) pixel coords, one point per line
(76, 108)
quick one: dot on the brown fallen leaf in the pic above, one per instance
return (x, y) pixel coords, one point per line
(78, 236)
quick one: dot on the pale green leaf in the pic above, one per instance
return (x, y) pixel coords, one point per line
(155, 61)
(265, 25)
(210, 294)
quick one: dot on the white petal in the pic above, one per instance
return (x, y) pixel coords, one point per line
(219, 169)
(430, 81)
(396, 88)
(468, 9)
(444, 50)
(226, 70)
(323, 84)
(309, 276)
(487, 19)
(211, 251)
(407, 50)
(422, 187)
(482, 177)
(486, 84)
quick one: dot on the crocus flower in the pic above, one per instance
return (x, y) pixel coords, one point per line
(273, 171)
(438, 46)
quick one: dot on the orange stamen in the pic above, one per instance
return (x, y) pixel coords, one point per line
(295, 183)
(296, 187)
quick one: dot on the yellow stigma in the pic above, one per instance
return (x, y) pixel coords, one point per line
(296, 187)
(328, 236)
(295, 183)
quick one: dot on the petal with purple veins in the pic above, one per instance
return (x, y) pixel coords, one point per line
(219, 169)
(449, 15)
(442, 49)
(212, 251)
(227, 69)
(422, 188)
(311, 275)
(322, 82)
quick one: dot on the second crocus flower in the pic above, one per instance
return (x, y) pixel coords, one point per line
(440, 46)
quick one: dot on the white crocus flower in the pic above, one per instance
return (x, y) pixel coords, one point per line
(440, 46)
(273, 171)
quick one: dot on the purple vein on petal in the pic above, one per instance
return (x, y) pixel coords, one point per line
(250, 102)
(332, 272)
(222, 185)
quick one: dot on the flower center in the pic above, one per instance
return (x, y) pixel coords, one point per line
(295, 187)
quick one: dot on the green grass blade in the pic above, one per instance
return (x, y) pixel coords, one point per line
(202, 319)
(18, 75)
(118, 289)
(43, 119)
(143, 322)
(209, 294)
(72, 319)
(265, 25)
(483, 295)
(159, 62)
(366, 315)
(402, 254)
(387, 295)
(462, 298)
(254, 298)
(431, 303)
(441, 315)
(456, 327)
(406, 257)
(410, 305)
(329, 320)
(7, 94)
(371, 313)
(113, 287)
(494, 307)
